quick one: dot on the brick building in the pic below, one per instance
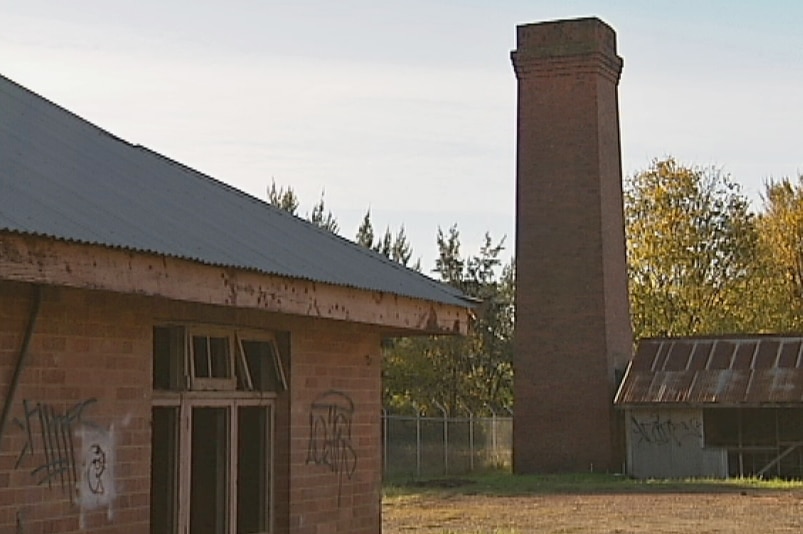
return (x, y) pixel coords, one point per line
(177, 356)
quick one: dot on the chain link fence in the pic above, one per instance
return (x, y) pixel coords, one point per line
(419, 446)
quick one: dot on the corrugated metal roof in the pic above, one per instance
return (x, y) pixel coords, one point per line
(62, 177)
(746, 370)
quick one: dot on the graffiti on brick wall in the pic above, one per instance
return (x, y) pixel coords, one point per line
(330, 435)
(663, 430)
(53, 454)
(95, 467)
(97, 462)
(81, 467)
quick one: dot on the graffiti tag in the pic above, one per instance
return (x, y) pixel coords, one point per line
(330, 435)
(663, 431)
(56, 445)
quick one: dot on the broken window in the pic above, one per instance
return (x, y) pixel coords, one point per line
(212, 444)
(758, 441)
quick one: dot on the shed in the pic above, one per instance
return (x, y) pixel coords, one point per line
(715, 406)
(179, 356)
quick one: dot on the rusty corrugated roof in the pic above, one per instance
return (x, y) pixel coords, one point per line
(65, 178)
(733, 370)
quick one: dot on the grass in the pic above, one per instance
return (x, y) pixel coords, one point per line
(502, 503)
(507, 484)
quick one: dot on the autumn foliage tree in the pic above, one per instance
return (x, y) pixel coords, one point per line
(692, 247)
(781, 239)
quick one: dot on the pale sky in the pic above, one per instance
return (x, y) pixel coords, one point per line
(406, 107)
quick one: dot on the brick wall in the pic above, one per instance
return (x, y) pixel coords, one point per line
(87, 382)
(573, 325)
(337, 489)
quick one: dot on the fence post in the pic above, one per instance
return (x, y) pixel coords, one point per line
(384, 441)
(493, 434)
(417, 441)
(470, 440)
(445, 437)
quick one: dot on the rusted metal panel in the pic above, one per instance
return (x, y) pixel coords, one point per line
(722, 356)
(700, 355)
(669, 387)
(645, 355)
(789, 354)
(743, 358)
(634, 387)
(767, 354)
(64, 178)
(678, 359)
(661, 356)
(745, 371)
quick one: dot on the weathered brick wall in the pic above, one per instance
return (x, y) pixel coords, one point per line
(573, 325)
(75, 453)
(87, 381)
(336, 443)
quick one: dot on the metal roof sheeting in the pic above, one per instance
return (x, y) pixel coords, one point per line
(749, 370)
(65, 178)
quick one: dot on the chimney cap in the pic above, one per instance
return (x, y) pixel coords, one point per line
(570, 37)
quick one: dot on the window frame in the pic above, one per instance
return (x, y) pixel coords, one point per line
(210, 383)
(198, 392)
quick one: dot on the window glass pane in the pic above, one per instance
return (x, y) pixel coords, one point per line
(168, 358)
(219, 357)
(161, 358)
(200, 356)
(253, 459)
(164, 470)
(264, 365)
(209, 471)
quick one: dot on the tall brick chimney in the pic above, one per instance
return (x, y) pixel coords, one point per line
(573, 331)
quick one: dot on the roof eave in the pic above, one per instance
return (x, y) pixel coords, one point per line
(42, 260)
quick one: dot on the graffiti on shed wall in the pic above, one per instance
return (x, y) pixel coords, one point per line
(659, 429)
(330, 435)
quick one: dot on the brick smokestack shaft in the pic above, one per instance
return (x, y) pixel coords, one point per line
(573, 331)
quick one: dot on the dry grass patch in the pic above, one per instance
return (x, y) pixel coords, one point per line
(506, 504)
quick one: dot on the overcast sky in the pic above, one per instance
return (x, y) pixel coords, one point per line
(405, 107)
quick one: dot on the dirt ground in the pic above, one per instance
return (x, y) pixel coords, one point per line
(745, 511)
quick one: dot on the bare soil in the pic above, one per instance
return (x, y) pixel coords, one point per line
(736, 511)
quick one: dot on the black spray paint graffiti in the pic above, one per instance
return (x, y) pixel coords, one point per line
(330, 435)
(95, 468)
(57, 448)
(663, 431)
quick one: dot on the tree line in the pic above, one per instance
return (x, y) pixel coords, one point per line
(700, 261)
(431, 374)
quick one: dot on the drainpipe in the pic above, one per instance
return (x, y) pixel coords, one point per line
(12, 388)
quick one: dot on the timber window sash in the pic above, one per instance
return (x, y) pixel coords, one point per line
(216, 359)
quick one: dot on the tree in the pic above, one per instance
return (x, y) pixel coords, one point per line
(365, 233)
(692, 248)
(781, 239)
(402, 251)
(323, 218)
(460, 373)
(282, 198)
(396, 247)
